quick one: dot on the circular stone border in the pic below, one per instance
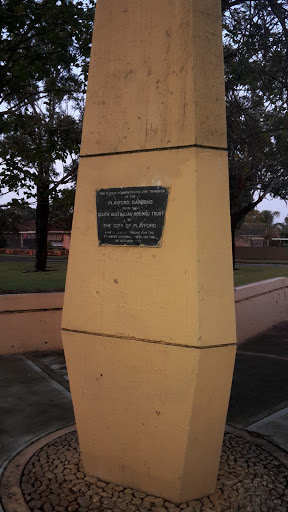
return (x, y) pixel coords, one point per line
(11, 496)
(253, 437)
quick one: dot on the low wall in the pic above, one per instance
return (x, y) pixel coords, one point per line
(262, 254)
(32, 252)
(32, 321)
(260, 305)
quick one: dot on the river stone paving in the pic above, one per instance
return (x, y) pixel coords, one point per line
(249, 480)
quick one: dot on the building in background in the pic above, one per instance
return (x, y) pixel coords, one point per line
(256, 234)
(56, 239)
(251, 235)
(25, 238)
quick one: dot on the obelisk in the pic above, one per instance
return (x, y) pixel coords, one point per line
(148, 321)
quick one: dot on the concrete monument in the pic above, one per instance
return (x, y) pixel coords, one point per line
(148, 321)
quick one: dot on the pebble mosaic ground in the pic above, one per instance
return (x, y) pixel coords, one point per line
(250, 480)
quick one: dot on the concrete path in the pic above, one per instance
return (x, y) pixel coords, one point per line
(35, 398)
(259, 396)
(32, 403)
(53, 363)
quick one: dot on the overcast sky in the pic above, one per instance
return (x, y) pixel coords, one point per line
(267, 204)
(275, 205)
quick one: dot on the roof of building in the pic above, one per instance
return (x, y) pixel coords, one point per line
(252, 229)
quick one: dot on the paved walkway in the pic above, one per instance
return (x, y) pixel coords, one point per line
(35, 398)
(259, 396)
(32, 402)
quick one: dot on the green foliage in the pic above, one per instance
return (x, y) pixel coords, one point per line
(256, 69)
(273, 230)
(253, 216)
(9, 220)
(37, 37)
(61, 210)
(268, 217)
(283, 227)
(37, 138)
(44, 52)
(14, 214)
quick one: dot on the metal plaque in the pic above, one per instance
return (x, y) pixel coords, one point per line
(131, 215)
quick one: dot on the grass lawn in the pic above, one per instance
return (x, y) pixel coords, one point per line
(19, 276)
(246, 275)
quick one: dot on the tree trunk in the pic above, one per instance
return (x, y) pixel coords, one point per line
(233, 232)
(42, 215)
(236, 218)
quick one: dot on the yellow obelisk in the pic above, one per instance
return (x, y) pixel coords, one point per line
(149, 331)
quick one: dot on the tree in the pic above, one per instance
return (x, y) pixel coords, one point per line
(9, 221)
(272, 230)
(254, 216)
(267, 217)
(284, 228)
(44, 57)
(35, 142)
(34, 32)
(256, 71)
(43, 63)
(12, 215)
(61, 209)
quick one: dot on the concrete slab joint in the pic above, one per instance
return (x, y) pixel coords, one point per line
(149, 332)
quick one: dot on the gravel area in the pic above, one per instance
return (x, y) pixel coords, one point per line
(249, 480)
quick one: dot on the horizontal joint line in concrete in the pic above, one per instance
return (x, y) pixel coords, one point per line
(260, 294)
(16, 311)
(46, 376)
(260, 354)
(157, 342)
(131, 152)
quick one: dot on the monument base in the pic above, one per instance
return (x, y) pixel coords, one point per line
(150, 415)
